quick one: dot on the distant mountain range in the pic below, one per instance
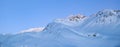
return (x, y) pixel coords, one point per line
(101, 29)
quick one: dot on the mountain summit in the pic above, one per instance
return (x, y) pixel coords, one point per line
(98, 30)
(76, 17)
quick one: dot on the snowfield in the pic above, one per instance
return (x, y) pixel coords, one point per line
(98, 30)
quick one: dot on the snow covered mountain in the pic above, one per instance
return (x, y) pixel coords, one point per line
(98, 30)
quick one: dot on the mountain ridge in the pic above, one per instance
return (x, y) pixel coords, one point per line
(99, 30)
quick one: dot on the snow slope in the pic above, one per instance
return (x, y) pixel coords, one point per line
(99, 30)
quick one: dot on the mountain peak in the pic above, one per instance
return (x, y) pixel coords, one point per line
(71, 19)
(107, 12)
(107, 16)
(77, 17)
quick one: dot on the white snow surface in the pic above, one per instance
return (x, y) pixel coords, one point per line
(99, 30)
(37, 29)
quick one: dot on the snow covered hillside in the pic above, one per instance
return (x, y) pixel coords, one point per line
(98, 30)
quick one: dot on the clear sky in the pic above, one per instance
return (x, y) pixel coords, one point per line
(17, 15)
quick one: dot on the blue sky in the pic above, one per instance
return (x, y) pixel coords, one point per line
(17, 15)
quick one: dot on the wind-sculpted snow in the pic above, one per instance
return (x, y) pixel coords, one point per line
(99, 30)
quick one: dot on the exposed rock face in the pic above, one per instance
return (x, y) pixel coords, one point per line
(76, 17)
